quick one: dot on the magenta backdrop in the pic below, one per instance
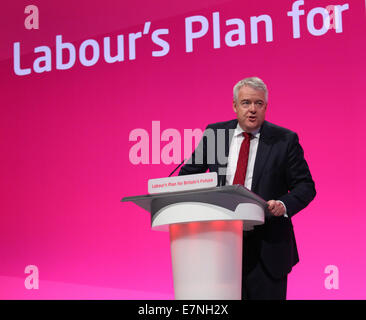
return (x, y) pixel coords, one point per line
(64, 139)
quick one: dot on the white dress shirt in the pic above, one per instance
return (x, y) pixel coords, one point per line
(234, 150)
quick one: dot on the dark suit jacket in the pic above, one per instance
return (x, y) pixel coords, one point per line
(280, 173)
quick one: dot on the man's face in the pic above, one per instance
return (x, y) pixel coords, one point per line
(250, 108)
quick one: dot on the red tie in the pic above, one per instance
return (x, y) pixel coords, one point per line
(241, 167)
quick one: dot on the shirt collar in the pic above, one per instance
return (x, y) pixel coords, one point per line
(239, 131)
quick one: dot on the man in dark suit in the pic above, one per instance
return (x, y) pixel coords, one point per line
(269, 160)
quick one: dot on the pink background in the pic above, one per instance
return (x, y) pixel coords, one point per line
(64, 141)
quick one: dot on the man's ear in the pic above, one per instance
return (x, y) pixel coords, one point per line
(234, 106)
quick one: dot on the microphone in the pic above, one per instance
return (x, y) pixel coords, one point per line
(177, 167)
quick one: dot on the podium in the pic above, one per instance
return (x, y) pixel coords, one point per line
(206, 237)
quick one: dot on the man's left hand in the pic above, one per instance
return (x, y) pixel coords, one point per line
(276, 208)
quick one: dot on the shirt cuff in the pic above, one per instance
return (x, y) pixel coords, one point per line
(285, 214)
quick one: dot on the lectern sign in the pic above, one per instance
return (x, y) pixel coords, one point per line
(183, 183)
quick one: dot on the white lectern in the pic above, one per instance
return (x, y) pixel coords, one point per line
(206, 237)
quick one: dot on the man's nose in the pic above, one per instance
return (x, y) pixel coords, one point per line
(252, 108)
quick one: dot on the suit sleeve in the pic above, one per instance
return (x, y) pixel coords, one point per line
(198, 160)
(298, 178)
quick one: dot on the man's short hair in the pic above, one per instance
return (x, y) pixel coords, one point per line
(253, 82)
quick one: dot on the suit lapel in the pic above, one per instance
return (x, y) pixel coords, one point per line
(229, 136)
(263, 152)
